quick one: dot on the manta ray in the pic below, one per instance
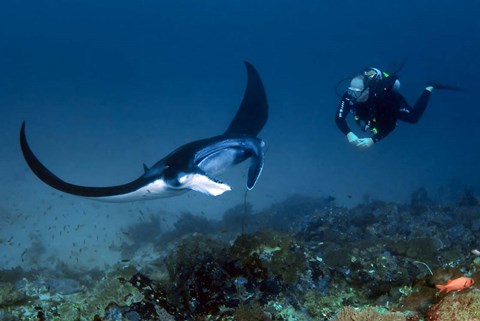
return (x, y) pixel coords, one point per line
(193, 166)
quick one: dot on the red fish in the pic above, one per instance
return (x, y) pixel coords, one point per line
(457, 284)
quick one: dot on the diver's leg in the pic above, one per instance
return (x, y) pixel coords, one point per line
(413, 115)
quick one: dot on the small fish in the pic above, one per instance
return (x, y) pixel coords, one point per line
(457, 284)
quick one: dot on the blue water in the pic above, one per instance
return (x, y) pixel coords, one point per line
(108, 85)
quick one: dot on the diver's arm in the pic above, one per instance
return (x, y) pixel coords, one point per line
(342, 112)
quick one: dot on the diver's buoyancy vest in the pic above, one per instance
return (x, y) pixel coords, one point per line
(380, 85)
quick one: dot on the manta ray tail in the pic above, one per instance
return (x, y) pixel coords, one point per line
(253, 111)
(54, 181)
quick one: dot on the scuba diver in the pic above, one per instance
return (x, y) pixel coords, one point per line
(376, 104)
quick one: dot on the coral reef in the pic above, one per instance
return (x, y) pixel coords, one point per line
(301, 259)
(40, 301)
(461, 306)
(368, 314)
(9, 296)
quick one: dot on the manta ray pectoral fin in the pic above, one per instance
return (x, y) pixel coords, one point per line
(255, 169)
(253, 111)
(203, 184)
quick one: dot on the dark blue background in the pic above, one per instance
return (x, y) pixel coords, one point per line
(107, 85)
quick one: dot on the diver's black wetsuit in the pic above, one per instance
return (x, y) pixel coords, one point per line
(379, 114)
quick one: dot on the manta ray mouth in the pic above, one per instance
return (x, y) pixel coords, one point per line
(204, 184)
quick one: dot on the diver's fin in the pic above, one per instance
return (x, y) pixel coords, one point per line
(440, 86)
(255, 169)
(253, 111)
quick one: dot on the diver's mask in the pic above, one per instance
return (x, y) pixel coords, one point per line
(357, 89)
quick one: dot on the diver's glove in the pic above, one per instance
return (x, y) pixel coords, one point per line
(365, 143)
(352, 138)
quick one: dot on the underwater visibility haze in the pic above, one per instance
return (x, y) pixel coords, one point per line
(107, 86)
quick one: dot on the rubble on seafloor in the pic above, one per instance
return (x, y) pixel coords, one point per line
(301, 259)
